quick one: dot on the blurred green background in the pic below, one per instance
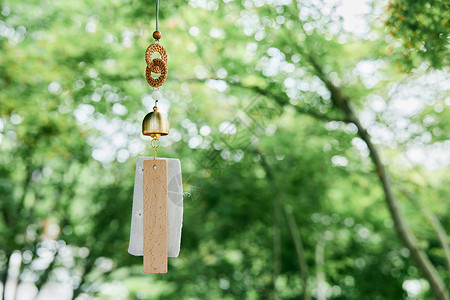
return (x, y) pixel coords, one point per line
(281, 113)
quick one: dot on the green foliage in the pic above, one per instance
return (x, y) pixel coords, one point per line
(422, 27)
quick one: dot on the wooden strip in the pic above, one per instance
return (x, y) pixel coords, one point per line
(155, 216)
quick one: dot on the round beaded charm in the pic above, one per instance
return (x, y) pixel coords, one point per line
(157, 64)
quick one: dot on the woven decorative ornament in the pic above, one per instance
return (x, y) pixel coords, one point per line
(156, 65)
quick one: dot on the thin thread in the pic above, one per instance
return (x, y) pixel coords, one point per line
(157, 13)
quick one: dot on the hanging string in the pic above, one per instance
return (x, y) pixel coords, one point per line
(157, 13)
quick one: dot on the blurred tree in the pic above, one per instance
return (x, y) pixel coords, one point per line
(277, 111)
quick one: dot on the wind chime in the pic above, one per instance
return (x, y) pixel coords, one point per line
(157, 213)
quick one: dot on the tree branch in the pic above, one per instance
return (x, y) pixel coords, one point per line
(435, 223)
(26, 184)
(441, 234)
(283, 101)
(279, 99)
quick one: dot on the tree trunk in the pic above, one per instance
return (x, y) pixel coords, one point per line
(293, 229)
(295, 234)
(441, 234)
(320, 275)
(276, 247)
(4, 276)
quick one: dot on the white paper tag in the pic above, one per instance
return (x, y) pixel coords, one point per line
(174, 208)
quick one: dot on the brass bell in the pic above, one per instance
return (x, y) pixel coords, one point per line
(155, 124)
